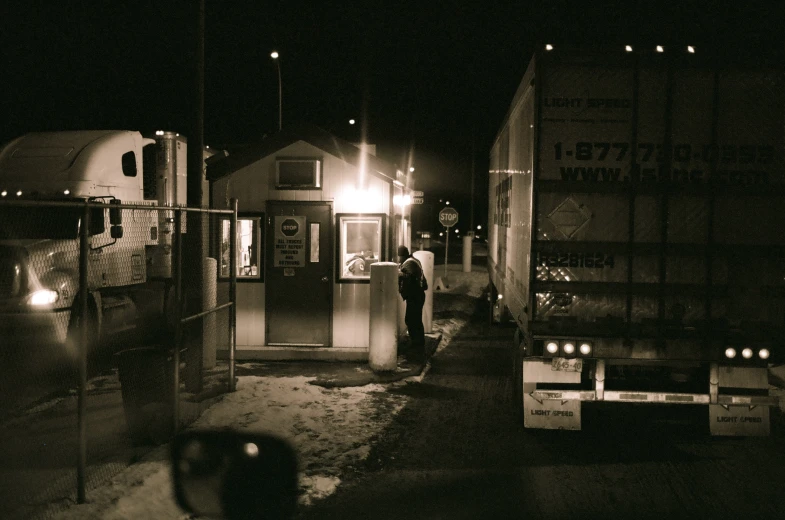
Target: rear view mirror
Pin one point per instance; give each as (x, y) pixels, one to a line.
(232, 475)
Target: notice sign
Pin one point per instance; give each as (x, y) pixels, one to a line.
(289, 242)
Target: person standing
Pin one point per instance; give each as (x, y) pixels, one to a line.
(412, 286)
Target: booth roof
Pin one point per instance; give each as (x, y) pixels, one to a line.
(310, 134)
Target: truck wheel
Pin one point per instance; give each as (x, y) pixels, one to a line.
(74, 341)
(517, 385)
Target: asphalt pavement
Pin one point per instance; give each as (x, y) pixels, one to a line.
(458, 450)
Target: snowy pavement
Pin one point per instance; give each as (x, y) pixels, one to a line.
(332, 429)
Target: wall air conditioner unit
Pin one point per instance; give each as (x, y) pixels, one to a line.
(293, 173)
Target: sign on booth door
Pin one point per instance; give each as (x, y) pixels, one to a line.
(289, 247)
(298, 278)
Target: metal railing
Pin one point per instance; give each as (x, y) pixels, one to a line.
(93, 269)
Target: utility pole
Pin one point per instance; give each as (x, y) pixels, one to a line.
(471, 202)
(193, 245)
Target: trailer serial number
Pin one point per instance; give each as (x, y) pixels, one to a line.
(710, 153)
(592, 260)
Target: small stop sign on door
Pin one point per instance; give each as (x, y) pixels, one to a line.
(289, 227)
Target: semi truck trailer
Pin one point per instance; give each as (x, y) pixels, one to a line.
(636, 234)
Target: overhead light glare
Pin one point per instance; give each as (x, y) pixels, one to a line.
(660, 49)
(690, 49)
(628, 48)
(549, 47)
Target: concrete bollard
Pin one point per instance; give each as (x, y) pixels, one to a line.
(210, 300)
(426, 260)
(383, 327)
(467, 254)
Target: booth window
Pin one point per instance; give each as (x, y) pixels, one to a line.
(248, 255)
(293, 173)
(360, 242)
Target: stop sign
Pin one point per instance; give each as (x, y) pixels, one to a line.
(290, 227)
(448, 217)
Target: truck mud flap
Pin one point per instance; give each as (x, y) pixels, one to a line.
(747, 421)
(549, 414)
(750, 419)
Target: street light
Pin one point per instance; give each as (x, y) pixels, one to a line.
(274, 55)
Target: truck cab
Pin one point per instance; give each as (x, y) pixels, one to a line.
(43, 179)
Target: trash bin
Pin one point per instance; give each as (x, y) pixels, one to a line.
(146, 385)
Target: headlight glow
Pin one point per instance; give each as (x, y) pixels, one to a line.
(43, 297)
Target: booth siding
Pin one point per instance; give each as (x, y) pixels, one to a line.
(314, 213)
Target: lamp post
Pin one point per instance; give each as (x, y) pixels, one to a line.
(274, 55)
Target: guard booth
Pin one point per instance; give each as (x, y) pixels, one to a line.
(314, 213)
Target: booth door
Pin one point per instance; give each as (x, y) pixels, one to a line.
(299, 274)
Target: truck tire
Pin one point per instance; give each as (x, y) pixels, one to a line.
(517, 392)
(74, 338)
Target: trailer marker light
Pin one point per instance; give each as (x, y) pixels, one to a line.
(569, 348)
(19, 193)
(549, 47)
(4, 193)
(746, 353)
(764, 353)
(552, 347)
(730, 352)
(67, 192)
(585, 348)
(690, 49)
(628, 48)
(660, 49)
(499, 297)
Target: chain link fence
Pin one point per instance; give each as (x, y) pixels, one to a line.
(111, 316)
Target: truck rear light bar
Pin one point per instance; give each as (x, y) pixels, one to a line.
(567, 347)
(747, 353)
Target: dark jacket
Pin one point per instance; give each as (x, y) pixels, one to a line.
(411, 279)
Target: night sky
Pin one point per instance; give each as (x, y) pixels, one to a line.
(424, 78)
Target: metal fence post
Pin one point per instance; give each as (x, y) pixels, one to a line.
(178, 312)
(84, 251)
(233, 293)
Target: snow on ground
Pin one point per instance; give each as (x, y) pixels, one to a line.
(332, 429)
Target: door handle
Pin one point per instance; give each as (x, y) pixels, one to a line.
(325, 279)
